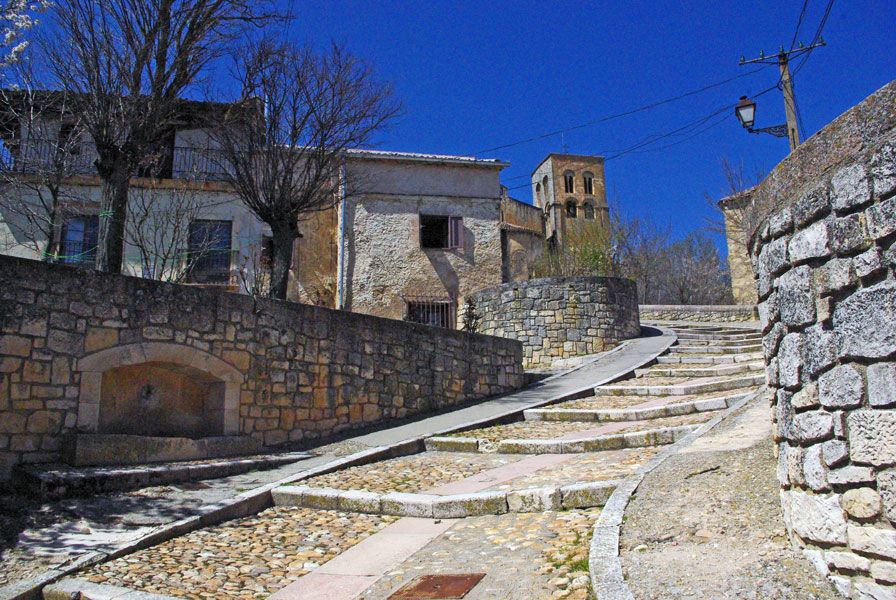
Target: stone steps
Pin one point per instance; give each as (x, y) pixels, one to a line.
(718, 342)
(725, 369)
(60, 481)
(715, 349)
(612, 415)
(617, 441)
(682, 389)
(709, 336)
(450, 506)
(710, 359)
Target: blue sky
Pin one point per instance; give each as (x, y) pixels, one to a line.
(474, 75)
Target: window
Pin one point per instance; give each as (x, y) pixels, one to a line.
(441, 232)
(433, 311)
(80, 237)
(589, 210)
(589, 182)
(569, 182)
(571, 209)
(209, 250)
(69, 139)
(538, 196)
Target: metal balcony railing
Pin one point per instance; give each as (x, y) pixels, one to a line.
(36, 156)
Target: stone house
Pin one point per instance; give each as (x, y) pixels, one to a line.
(411, 235)
(743, 284)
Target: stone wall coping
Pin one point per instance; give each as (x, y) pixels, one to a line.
(743, 308)
(548, 282)
(839, 142)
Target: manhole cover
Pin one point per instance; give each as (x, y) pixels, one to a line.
(438, 587)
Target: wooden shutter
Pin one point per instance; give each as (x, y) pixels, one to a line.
(455, 232)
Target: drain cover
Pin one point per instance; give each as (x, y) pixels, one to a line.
(438, 587)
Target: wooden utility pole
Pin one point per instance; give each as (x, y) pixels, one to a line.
(782, 59)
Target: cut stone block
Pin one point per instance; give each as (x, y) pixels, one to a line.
(452, 444)
(586, 495)
(469, 505)
(288, 495)
(534, 500)
(321, 498)
(530, 447)
(360, 502)
(872, 437)
(814, 516)
(872, 540)
(408, 505)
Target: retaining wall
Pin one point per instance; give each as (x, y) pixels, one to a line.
(560, 317)
(698, 313)
(826, 278)
(286, 371)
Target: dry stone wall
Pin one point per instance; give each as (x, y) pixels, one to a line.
(560, 317)
(826, 277)
(290, 371)
(698, 313)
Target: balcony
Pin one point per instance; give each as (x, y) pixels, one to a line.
(47, 158)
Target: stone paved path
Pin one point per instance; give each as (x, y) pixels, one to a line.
(539, 554)
(37, 536)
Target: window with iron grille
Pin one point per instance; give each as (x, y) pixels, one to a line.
(569, 182)
(441, 232)
(209, 248)
(434, 311)
(80, 238)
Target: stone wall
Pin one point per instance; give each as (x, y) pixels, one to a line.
(709, 314)
(287, 372)
(560, 317)
(826, 278)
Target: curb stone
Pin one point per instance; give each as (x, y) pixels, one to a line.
(81, 588)
(452, 506)
(604, 566)
(616, 415)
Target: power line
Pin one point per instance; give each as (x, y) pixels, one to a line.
(816, 37)
(643, 108)
(799, 22)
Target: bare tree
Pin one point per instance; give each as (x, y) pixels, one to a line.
(16, 18)
(285, 160)
(128, 62)
(743, 212)
(587, 249)
(43, 142)
(158, 226)
(696, 273)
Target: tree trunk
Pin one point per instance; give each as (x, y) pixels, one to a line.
(283, 237)
(113, 212)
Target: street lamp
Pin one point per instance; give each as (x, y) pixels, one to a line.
(745, 109)
(746, 112)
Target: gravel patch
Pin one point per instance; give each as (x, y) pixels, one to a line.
(246, 558)
(708, 524)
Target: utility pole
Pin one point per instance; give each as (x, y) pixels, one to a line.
(782, 59)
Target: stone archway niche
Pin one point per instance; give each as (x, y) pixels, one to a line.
(161, 399)
(153, 402)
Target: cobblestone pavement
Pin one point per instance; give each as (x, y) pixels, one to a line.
(541, 555)
(601, 402)
(413, 473)
(707, 524)
(246, 558)
(595, 466)
(557, 429)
